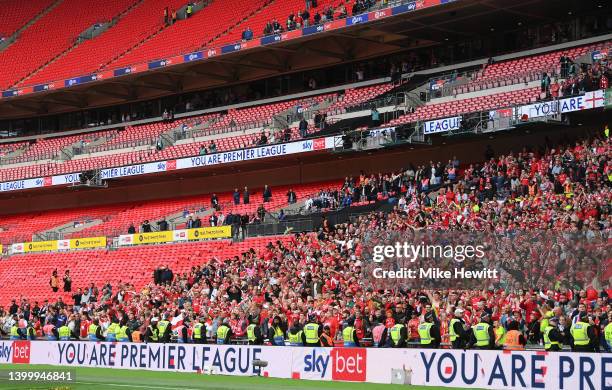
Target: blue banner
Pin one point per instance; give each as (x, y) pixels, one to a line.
(80, 80)
(357, 19)
(157, 64)
(230, 48)
(313, 29)
(122, 71)
(400, 9)
(198, 55)
(271, 39)
(11, 93)
(41, 88)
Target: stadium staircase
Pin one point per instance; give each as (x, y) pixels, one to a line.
(67, 229)
(15, 35)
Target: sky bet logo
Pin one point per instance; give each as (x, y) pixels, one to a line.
(347, 364)
(15, 352)
(6, 350)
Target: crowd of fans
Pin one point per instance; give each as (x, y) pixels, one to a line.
(318, 282)
(313, 15)
(577, 78)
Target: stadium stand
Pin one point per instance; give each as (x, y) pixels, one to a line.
(16, 14)
(143, 20)
(60, 27)
(205, 25)
(524, 69)
(461, 106)
(192, 262)
(540, 206)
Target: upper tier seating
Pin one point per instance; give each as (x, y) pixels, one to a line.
(357, 96)
(91, 55)
(52, 34)
(15, 14)
(200, 28)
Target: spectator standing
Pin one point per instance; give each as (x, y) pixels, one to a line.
(146, 226)
(247, 34)
(213, 219)
(54, 281)
(375, 117)
(163, 225)
(67, 281)
(291, 196)
(236, 196)
(131, 229)
(545, 82)
(303, 128)
(77, 297)
(246, 196)
(267, 194)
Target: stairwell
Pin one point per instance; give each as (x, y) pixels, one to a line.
(77, 41)
(10, 40)
(59, 232)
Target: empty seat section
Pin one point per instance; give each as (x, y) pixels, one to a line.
(60, 27)
(16, 14)
(200, 28)
(133, 27)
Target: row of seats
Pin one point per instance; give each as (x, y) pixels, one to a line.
(238, 117)
(355, 96)
(16, 14)
(525, 69)
(29, 274)
(20, 228)
(277, 10)
(117, 218)
(457, 107)
(53, 34)
(190, 34)
(47, 148)
(142, 35)
(134, 27)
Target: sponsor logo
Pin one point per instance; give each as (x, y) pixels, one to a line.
(357, 19)
(307, 145)
(349, 364)
(6, 351)
(316, 362)
(21, 352)
(319, 144)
